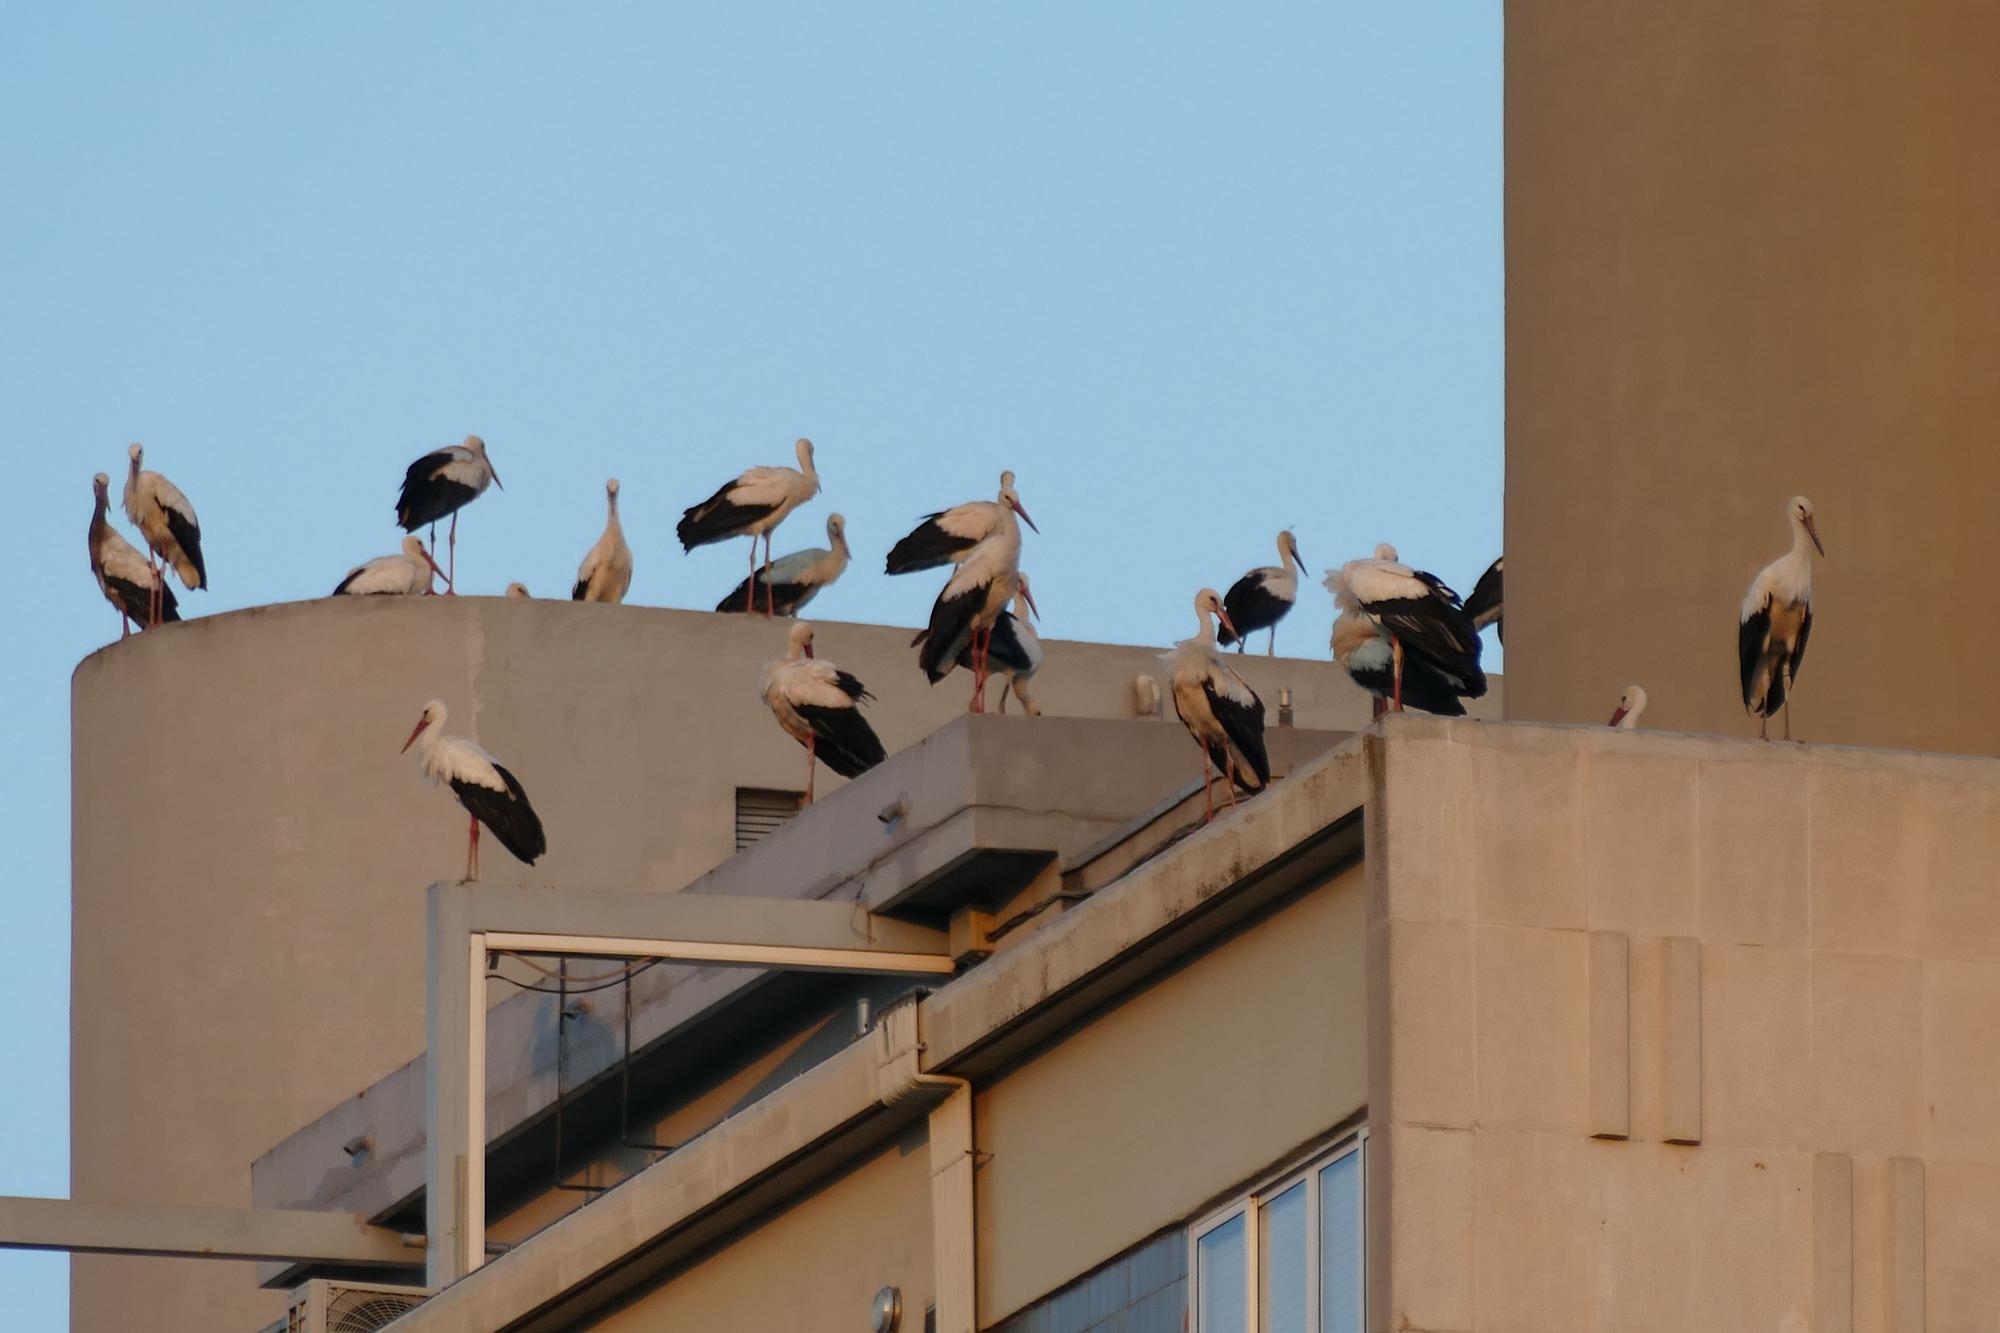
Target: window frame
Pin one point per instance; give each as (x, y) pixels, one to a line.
(1250, 1207)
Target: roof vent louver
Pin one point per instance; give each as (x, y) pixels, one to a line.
(759, 812)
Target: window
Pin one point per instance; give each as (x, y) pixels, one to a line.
(1286, 1258)
(759, 812)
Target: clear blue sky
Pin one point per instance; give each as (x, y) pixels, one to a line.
(1194, 273)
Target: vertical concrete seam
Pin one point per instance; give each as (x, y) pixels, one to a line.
(1906, 1245)
(1610, 1035)
(1833, 1243)
(1681, 1054)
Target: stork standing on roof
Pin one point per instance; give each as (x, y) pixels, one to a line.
(490, 794)
(950, 535)
(1631, 704)
(1420, 616)
(752, 505)
(1365, 653)
(606, 572)
(1015, 650)
(819, 706)
(440, 484)
(973, 598)
(1263, 597)
(1484, 606)
(1776, 620)
(405, 574)
(1218, 708)
(128, 580)
(792, 580)
(166, 520)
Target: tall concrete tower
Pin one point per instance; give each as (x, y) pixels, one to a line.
(1751, 253)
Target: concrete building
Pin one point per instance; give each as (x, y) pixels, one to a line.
(280, 897)
(1748, 256)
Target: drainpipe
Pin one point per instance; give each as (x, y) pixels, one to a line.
(899, 1073)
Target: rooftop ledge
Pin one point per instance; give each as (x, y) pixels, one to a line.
(986, 812)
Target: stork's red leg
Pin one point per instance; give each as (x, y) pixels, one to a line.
(750, 588)
(1396, 651)
(430, 585)
(451, 579)
(812, 760)
(472, 848)
(1379, 704)
(124, 624)
(1207, 788)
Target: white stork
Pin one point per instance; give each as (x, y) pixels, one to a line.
(1420, 616)
(1366, 654)
(973, 598)
(519, 592)
(166, 520)
(1015, 651)
(127, 579)
(752, 505)
(1484, 606)
(790, 581)
(819, 706)
(1218, 707)
(949, 536)
(441, 483)
(606, 571)
(490, 794)
(405, 574)
(1630, 705)
(1260, 599)
(1776, 621)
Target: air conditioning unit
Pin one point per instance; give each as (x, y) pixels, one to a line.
(320, 1306)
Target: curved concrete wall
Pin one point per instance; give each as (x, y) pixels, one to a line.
(250, 850)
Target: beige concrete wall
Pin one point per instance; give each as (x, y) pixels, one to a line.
(1176, 1096)
(1749, 254)
(250, 851)
(817, 1265)
(1678, 1033)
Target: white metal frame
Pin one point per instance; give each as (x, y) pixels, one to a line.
(467, 921)
(1250, 1207)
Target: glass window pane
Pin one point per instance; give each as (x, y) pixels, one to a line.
(1219, 1276)
(1282, 1263)
(1342, 1286)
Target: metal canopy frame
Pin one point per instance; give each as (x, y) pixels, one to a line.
(465, 922)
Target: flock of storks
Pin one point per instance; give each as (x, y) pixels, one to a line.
(1401, 633)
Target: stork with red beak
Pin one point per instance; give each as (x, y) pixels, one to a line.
(490, 794)
(1631, 704)
(1218, 708)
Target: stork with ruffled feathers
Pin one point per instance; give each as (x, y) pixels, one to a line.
(1218, 708)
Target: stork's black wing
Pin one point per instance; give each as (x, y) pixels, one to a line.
(718, 518)
(1243, 723)
(428, 497)
(1251, 606)
(950, 631)
(134, 600)
(1007, 653)
(1437, 630)
(513, 821)
(1751, 636)
(842, 738)
(927, 547)
(1484, 604)
(187, 535)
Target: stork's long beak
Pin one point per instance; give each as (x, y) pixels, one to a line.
(1812, 531)
(1030, 599)
(494, 473)
(1298, 559)
(1016, 506)
(1617, 715)
(440, 573)
(809, 650)
(422, 722)
(1223, 616)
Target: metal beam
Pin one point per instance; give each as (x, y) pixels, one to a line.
(466, 921)
(181, 1232)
